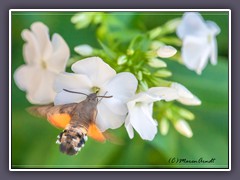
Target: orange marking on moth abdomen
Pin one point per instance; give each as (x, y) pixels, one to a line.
(59, 120)
(95, 133)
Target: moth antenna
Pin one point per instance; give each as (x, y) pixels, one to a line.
(104, 96)
(75, 92)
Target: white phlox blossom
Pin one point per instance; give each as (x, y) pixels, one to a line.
(199, 41)
(44, 59)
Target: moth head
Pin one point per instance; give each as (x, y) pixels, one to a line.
(71, 141)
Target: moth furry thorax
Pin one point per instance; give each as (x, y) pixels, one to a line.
(72, 139)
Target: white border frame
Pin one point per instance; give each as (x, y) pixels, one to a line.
(120, 10)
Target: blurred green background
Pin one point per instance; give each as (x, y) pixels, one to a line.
(33, 139)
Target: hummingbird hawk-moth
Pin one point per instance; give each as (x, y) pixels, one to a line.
(77, 120)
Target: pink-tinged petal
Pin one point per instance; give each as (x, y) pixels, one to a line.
(96, 69)
(192, 25)
(41, 90)
(106, 118)
(31, 51)
(129, 127)
(41, 33)
(58, 60)
(193, 50)
(122, 86)
(142, 121)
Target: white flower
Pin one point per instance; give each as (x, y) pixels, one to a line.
(140, 108)
(166, 51)
(44, 60)
(140, 116)
(84, 50)
(93, 73)
(199, 41)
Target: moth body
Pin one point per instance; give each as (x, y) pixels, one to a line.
(73, 138)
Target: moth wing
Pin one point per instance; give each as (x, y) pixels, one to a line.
(112, 138)
(59, 120)
(59, 116)
(95, 133)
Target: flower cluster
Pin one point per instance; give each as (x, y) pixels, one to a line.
(136, 85)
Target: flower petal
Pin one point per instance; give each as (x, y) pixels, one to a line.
(31, 51)
(24, 76)
(64, 97)
(41, 90)
(165, 93)
(141, 97)
(122, 86)
(41, 33)
(213, 27)
(58, 60)
(203, 60)
(96, 69)
(116, 105)
(37, 83)
(214, 51)
(129, 127)
(71, 82)
(185, 96)
(193, 50)
(193, 101)
(142, 122)
(106, 118)
(192, 24)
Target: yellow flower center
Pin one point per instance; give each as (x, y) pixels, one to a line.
(44, 64)
(95, 89)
